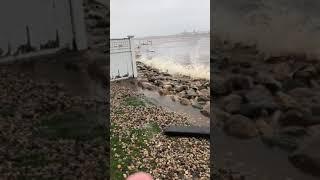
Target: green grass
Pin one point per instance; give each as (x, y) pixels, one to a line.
(71, 125)
(134, 101)
(120, 155)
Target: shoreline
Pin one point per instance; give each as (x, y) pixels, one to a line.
(183, 89)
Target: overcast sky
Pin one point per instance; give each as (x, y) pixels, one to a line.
(157, 17)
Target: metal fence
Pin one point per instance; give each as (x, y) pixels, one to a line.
(122, 59)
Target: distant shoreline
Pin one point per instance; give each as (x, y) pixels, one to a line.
(175, 35)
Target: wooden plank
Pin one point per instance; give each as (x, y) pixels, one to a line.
(188, 131)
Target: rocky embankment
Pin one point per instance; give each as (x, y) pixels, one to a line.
(275, 98)
(183, 89)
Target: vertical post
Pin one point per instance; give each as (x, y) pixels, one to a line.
(74, 43)
(78, 24)
(133, 57)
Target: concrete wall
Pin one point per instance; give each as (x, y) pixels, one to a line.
(48, 22)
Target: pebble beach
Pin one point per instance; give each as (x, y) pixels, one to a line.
(138, 142)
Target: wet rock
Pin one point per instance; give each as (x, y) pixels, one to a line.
(166, 74)
(307, 157)
(174, 98)
(269, 82)
(287, 101)
(296, 131)
(163, 92)
(249, 72)
(306, 73)
(220, 86)
(185, 101)
(196, 104)
(180, 88)
(282, 141)
(232, 103)
(146, 85)
(191, 93)
(232, 98)
(290, 84)
(264, 128)
(203, 86)
(204, 95)
(206, 109)
(314, 83)
(282, 71)
(302, 92)
(250, 110)
(219, 115)
(239, 82)
(314, 130)
(233, 108)
(240, 126)
(295, 117)
(168, 87)
(182, 94)
(260, 98)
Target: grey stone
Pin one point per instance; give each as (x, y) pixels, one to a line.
(240, 126)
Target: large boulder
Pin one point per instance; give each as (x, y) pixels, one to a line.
(220, 86)
(191, 93)
(259, 98)
(302, 93)
(185, 101)
(204, 95)
(219, 115)
(232, 103)
(206, 109)
(290, 84)
(239, 82)
(240, 126)
(180, 88)
(269, 82)
(264, 128)
(306, 73)
(168, 87)
(287, 102)
(147, 85)
(282, 71)
(295, 117)
(163, 92)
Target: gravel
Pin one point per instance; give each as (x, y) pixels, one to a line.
(163, 157)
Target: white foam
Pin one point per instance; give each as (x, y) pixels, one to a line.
(169, 65)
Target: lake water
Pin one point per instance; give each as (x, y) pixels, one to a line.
(185, 55)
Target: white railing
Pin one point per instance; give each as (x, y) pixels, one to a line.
(122, 59)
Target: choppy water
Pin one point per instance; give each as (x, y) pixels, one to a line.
(178, 55)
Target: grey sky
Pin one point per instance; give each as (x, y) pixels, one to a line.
(157, 17)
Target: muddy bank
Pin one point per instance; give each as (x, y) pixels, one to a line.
(274, 100)
(181, 89)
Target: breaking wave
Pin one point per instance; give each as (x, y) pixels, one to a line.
(164, 64)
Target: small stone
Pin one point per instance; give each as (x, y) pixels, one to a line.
(185, 101)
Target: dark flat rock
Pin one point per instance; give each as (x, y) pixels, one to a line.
(187, 131)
